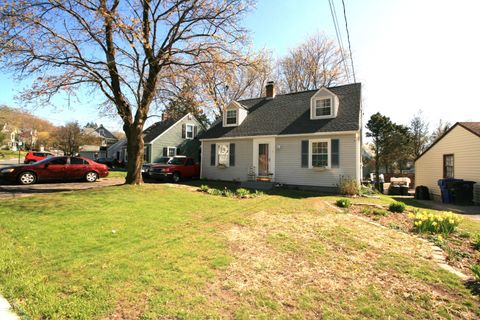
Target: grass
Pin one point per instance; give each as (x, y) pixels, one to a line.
(9, 154)
(164, 251)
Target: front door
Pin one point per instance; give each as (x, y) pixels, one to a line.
(264, 157)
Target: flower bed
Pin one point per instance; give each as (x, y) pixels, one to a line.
(440, 228)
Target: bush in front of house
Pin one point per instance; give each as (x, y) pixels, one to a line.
(343, 203)
(242, 193)
(348, 186)
(438, 222)
(397, 207)
(204, 188)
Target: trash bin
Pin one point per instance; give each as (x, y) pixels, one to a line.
(422, 193)
(445, 190)
(461, 192)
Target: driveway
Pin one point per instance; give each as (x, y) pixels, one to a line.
(12, 191)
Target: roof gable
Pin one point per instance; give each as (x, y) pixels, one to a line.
(473, 127)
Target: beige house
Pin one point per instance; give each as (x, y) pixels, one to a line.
(308, 139)
(454, 155)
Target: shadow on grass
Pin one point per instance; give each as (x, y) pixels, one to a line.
(276, 191)
(473, 286)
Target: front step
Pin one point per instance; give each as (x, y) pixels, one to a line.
(257, 185)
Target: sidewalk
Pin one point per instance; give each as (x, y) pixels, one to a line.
(6, 312)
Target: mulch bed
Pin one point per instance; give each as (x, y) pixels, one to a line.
(458, 246)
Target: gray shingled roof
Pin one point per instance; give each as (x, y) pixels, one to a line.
(290, 114)
(156, 129)
(102, 131)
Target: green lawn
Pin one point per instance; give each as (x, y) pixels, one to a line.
(162, 251)
(8, 154)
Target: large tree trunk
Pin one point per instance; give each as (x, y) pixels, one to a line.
(135, 151)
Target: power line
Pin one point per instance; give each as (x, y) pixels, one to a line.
(348, 39)
(339, 37)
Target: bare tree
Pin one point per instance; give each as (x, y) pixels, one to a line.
(440, 130)
(70, 137)
(315, 63)
(419, 133)
(219, 85)
(123, 49)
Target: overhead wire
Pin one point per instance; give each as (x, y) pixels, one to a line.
(339, 37)
(348, 40)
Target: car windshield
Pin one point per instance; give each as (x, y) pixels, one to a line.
(177, 161)
(163, 160)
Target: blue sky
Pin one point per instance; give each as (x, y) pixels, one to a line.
(408, 54)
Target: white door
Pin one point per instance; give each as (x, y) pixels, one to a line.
(264, 157)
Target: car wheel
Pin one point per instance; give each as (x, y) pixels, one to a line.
(176, 177)
(91, 176)
(27, 178)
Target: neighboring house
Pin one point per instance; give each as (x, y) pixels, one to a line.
(166, 138)
(308, 139)
(456, 154)
(106, 139)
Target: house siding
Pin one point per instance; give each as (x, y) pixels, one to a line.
(173, 138)
(243, 161)
(464, 145)
(288, 168)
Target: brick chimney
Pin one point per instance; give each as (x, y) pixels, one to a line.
(270, 90)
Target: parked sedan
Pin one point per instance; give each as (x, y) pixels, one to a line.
(56, 168)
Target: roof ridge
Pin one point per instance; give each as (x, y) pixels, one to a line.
(304, 91)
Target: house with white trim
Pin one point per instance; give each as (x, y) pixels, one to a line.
(305, 139)
(166, 138)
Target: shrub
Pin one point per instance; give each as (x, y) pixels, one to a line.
(227, 193)
(476, 271)
(379, 212)
(242, 193)
(343, 203)
(439, 222)
(397, 207)
(348, 186)
(204, 188)
(214, 192)
(258, 193)
(476, 241)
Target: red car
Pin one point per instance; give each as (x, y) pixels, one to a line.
(34, 156)
(176, 169)
(56, 168)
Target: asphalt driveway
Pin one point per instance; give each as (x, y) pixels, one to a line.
(13, 191)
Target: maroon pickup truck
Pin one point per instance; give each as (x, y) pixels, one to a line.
(177, 168)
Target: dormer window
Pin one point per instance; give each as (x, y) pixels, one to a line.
(231, 117)
(323, 107)
(324, 104)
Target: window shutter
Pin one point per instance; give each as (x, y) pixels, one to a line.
(195, 131)
(335, 153)
(183, 130)
(212, 154)
(232, 154)
(304, 153)
(165, 152)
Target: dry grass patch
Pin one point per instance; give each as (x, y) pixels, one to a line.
(320, 264)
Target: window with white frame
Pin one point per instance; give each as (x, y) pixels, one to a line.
(223, 154)
(231, 117)
(323, 107)
(189, 131)
(319, 153)
(171, 152)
